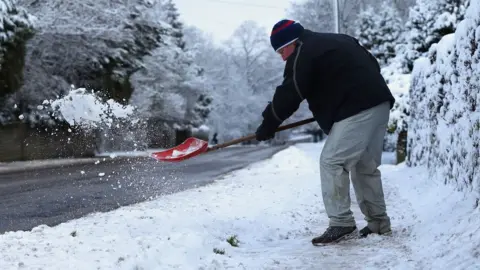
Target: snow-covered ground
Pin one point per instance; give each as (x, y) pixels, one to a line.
(274, 208)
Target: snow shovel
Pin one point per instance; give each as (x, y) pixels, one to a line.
(193, 146)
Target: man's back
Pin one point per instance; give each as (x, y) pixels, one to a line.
(345, 78)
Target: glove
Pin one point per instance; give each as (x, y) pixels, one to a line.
(264, 133)
(267, 129)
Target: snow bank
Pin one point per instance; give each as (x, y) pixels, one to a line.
(442, 229)
(269, 211)
(444, 131)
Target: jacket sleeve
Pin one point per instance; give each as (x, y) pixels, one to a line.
(290, 94)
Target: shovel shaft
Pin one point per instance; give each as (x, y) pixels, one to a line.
(253, 136)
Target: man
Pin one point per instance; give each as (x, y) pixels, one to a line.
(351, 102)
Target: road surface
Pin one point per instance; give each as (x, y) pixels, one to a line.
(55, 195)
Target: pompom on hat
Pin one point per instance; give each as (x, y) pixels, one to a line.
(284, 33)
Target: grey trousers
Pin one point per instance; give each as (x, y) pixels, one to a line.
(354, 145)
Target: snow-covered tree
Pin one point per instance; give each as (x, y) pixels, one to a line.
(93, 44)
(366, 33)
(403, 7)
(318, 15)
(168, 83)
(17, 28)
(380, 31)
(253, 57)
(240, 77)
(172, 17)
(201, 46)
(428, 22)
(202, 110)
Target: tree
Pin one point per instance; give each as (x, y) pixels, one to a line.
(172, 18)
(380, 31)
(428, 22)
(93, 44)
(17, 28)
(239, 77)
(253, 57)
(166, 83)
(170, 85)
(366, 31)
(403, 7)
(318, 15)
(201, 110)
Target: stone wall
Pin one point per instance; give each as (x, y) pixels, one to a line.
(18, 141)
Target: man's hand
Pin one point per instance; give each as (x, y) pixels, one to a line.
(264, 133)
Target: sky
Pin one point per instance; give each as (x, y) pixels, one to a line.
(221, 17)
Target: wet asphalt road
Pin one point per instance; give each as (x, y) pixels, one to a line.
(55, 195)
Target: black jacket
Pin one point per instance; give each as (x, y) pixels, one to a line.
(337, 77)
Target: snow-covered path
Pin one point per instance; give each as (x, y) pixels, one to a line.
(274, 208)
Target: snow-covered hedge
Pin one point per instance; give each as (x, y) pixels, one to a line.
(444, 126)
(427, 23)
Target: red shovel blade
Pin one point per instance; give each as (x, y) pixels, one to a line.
(189, 148)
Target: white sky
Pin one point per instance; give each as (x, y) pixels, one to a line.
(221, 17)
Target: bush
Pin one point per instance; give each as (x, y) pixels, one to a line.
(444, 128)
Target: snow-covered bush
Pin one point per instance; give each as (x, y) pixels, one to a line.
(428, 21)
(398, 121)
(444, 128)
(16, 28)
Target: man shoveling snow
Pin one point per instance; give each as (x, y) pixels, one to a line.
(351, 102)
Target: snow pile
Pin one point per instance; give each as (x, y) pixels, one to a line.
(268, 212)
(83, 108)
(444, 130)
(442, 229)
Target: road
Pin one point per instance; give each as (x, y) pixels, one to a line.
(55, 195)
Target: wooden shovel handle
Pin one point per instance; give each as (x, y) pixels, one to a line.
(251, 137)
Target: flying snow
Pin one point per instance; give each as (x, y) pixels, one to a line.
(84, 108)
